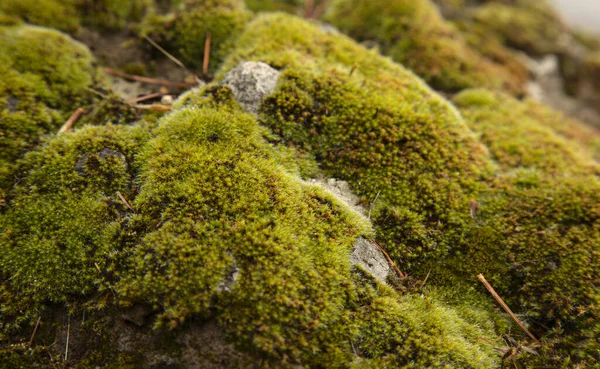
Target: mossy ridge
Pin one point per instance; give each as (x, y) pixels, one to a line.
(414, 34)
(331, 104)
(361, 115)
(531, 26)
(44, 79)
(418, 330)
(536, 242)
(65, 218)
(188, 26)
(518, 138)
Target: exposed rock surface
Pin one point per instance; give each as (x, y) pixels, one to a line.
(250, 83)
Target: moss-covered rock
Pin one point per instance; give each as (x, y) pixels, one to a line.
(361, 119)
(186, 29)
(44, 79)
(414, 34)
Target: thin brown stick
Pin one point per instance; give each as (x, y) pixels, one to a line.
(37, 324)
(373, 203)
(68, 336)
(147, 97)
(426, 277)
(402, 275)
(124, 200)
(155, 107)
(147, 80)
(308, 8)
(71, 121)
(166, 53)
(320, 9)
(505, 307)
(206, 53)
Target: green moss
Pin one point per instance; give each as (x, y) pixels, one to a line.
(533, 27)
(65, 217)
(290, 6)
(186, 29)
(370, 122)
(536, 242)
(69, 15)
(111, 15)
(516, 138)
(44, 79)
(61, 15)
(414, 34)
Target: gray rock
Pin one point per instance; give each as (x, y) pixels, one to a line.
(368, 256)
(232, 276)
(251, 82)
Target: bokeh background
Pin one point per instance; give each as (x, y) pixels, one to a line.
(581, 13)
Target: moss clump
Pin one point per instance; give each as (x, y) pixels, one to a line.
(111, 15)
(189, 231)
(290, 6)
(373, 123)
(414, 34)
(64, 219)
(516, 138)
(530, 26)
(187, 28)
(368, 121)
(69, 15)
(61, 15)
(44, 79)
(536, 242)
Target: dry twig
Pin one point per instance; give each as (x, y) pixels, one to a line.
(319, 10)
(124, 200)
(206, 53)
(167, 54)
(71, 121)
(373, 203)
(37, 324)
(155, 107)
(505, 307)
(425, 280)
(147, 79)
(147, 97)
(68, 336)
(402, 275)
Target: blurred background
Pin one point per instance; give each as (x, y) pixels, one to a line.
(581, 13)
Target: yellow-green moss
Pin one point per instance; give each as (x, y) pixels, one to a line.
(291, 6)
(414, 34)
(516, 138)
(111, 15)
(44, 79)
(536, 242)
(186, 29)
(370, 122)
(530, 26)
(61, 15)
(69, 15)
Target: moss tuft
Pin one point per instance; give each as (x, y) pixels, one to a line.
(530, 26)
(518, 138)
(44, 79)
(187, 28)
(61, 15)
(414, 34)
